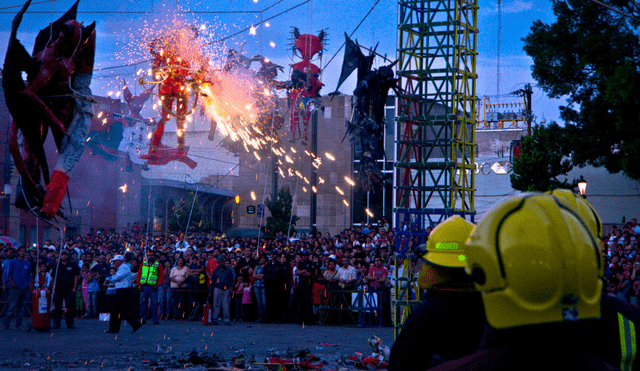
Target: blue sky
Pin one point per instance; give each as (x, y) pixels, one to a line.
(116, 33)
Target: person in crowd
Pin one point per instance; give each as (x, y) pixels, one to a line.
(304, 272)
(164, 292)
(65, 284)
(247, 302)
(271, 287)
(220, 289)
(245, 266)
(237, 299)
(347, 274)
(84, 286)
(93, 290)
(123, 301)
(259, 287)
(19, 279)
(6, 285)
(42, 277)
(194, 270)
(150, 276)
(178, 287)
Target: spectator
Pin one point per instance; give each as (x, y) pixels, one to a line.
(43, 278)
(65, 284)
(6, 285)
(347, 274)
(93, 290)
(259, 287)
(221, 286)
(178, 286)
(122, 307)
(164, 293)
(246, 265)
(623, 288)
(303, 296)
(237, 296)
(19, 279)
(84, 277)
(247, 290)
(194, 270)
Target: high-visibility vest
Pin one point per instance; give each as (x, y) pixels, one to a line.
(149, 274)
(627, 342)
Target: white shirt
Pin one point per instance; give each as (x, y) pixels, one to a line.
(347, 274)
(122, 278)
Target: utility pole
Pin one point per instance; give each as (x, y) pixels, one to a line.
(314, 170)
(529, 114)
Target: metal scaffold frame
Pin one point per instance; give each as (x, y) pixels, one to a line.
(434, 170)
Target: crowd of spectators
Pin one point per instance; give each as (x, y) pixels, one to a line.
(277, 279)
(622, 257)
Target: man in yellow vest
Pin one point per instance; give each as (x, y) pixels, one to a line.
(150, 276)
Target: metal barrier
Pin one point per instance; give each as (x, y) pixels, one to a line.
(358, 307)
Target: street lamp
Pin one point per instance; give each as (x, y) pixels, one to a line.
(582, 186)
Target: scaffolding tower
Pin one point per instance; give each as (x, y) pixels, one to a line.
(435, 132)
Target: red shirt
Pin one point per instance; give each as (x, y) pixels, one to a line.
(212, 264)
(377, 272)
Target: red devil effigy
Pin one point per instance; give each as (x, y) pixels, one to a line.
(174, 69)
(305, 93)
(56, 95)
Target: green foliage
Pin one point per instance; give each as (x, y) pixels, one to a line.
(280, 210)
(541, 161)
(591, 57)
(178, 222)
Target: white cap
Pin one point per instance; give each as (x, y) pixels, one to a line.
(118, 257)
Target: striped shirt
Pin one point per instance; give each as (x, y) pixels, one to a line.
(122, 278)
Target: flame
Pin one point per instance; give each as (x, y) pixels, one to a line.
(351, 182)
(345, 203)
(369, 213)
(253, 195)
(340, 191)
(123, 188)
(329, 156)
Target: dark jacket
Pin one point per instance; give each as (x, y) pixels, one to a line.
(446, 326)
(221, 278)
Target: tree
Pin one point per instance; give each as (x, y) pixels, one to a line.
(280, 209)
(178, 221)
(542, 161)
(591, 56)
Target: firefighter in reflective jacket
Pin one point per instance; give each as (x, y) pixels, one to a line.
(150, 276)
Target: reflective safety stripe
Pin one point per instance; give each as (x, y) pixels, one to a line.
(627, 342)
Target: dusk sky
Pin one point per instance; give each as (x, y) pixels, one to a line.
(118, 22)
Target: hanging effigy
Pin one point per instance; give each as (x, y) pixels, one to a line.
(55, 96)
(366, 127)
(304, 94)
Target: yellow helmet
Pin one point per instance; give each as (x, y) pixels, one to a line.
(535, 262)
(581, 207)
(446, 249)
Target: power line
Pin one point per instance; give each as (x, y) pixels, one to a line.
(21, 5)
(354, 31)
(259, 23)
(219, 40)
(616, 10)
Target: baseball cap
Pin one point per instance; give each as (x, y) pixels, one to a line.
(118, 257)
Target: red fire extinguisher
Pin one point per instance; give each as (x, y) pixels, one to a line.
(206, 314)
(41, 299)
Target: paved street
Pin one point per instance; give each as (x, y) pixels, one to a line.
(165, 345)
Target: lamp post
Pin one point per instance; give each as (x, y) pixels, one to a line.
(582, 187)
